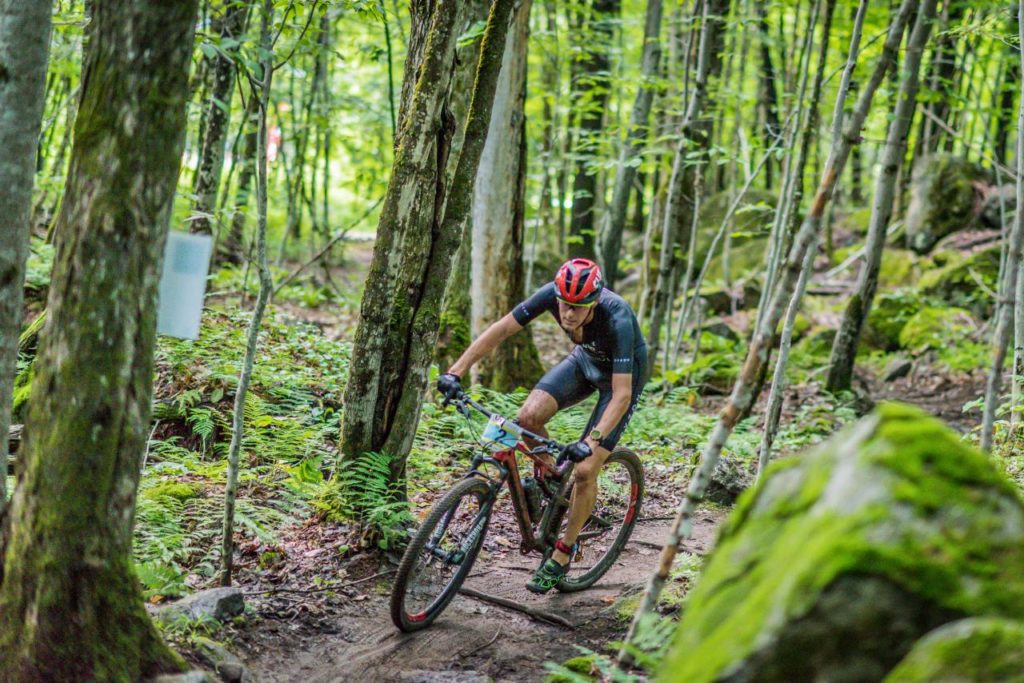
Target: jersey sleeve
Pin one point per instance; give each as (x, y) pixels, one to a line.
(622, 348)
(542, 300)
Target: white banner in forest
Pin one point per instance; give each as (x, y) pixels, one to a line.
(183, 284)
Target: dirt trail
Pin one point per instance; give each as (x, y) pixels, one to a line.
(472, 640)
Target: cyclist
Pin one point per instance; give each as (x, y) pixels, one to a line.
(610, 357)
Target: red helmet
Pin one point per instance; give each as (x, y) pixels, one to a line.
(579, 282)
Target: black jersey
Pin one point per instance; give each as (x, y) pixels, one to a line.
(612, 339)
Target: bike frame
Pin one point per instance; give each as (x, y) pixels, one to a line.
(506, 463)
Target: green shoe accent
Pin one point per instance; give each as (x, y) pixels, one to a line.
(546, 577)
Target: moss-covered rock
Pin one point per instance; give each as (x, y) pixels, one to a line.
(944, 194)
(966, 651)
(887, 318)
(839, 560)
(178, 490)
(965, 281)
(935, 328)
(751, 225)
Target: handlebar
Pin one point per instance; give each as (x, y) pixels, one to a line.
(463, 403)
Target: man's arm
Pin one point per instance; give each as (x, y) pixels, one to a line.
(485, 343)
(622, 393)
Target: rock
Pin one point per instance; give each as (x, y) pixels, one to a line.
(219, 603)
(720, 328)
(751, 225)
(936, 328)
(976, 650)
(997, 200)
(888, 317)
(730, 479)
(965, 281)
(444, 677)
(834, 565)
(229, 667)
(945, 196)
(188, 677)
(719, 300)
(897, 369)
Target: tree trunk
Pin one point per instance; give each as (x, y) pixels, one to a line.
(498, 219)
(592, 89)
(769, 98)
(1009, 277)
(635, 140)
(402, 305)
(742, 393)
(456, 334)
(266, 289)
(72, 607)
(229, 25)
(234, 249)
(1008, 86)
(694, 138)
(24, 49)
(844, 348)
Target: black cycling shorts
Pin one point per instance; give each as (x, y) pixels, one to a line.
(577, 377)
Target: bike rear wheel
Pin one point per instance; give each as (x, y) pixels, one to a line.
(620, 491)
(440, 555)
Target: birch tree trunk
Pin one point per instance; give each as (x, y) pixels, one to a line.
(229, 25)
(742, 395)
(844, 348)
(1009, 278)
(72, 606)
(24, 49)
(416, 242)
(635, 140)
(498, 219)
(262, 298)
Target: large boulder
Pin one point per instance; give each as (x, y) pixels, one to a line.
(946, 193)
(888, 316)
(837, 561)
(966, 651)
(935, 328)
(966, 281)
(749, 230)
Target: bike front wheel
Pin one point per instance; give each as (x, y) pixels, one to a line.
(440, 555)
(620, 491)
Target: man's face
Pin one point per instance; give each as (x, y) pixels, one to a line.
(572, 316)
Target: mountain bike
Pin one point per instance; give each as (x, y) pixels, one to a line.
(441, 554)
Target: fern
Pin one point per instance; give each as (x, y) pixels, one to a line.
(362, 491)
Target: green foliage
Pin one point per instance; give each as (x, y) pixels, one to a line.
(362, 491)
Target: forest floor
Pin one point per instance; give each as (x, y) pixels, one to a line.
(317, 599)
(348, 634)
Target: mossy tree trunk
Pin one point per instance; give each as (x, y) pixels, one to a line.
(593, 87)
(455, 334)
(71, 604)
(757, 354)
(844, 348)
(233, 247)
(24, 49)
(418, 234)
(228, 24)
(498, 219)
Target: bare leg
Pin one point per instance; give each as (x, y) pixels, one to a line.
(540, 406)
(584, 494)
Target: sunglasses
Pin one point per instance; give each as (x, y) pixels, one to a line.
(569, 303)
